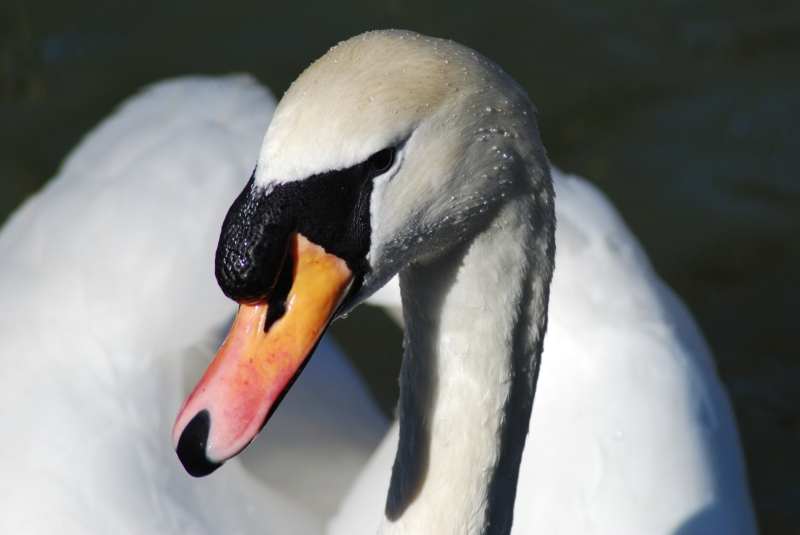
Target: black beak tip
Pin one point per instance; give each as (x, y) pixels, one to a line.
(191, 448)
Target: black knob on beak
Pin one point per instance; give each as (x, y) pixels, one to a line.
(252, 245)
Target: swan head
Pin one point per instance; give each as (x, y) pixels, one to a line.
(390, 149)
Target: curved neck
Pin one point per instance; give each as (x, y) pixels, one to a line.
(475, 320)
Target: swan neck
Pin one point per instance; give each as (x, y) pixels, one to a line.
(475, 319)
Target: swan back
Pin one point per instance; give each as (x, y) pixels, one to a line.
(126, 227)
(632, 431)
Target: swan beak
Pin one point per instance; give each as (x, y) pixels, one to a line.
(259, 361)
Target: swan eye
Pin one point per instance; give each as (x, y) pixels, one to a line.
(381, 161)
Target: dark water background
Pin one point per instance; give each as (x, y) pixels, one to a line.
(686, 113)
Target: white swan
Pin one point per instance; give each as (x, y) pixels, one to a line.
(90, 319)
(105, 278)
(396, 152)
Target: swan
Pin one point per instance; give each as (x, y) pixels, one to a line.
(108, 297)
(104, 470)
(397, 153)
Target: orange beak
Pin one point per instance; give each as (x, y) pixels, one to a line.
(255, 367)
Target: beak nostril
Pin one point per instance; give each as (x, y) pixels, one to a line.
(191, 448)
(276, 302)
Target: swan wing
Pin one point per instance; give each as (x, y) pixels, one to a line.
(105, 279)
